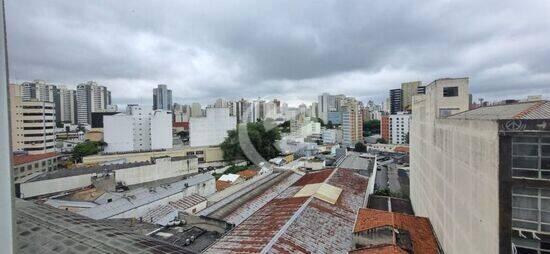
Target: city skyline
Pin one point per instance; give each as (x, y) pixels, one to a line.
(201, 60)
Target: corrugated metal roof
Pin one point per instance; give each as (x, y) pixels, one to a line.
(162, 215)
(43, 229)
(301, 224)
(525, 110)
(142, 196)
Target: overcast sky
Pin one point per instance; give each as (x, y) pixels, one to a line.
(292, 50)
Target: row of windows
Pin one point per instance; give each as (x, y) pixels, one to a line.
(38, 114)
(38, 128)
(37, 135)
(38, 121)
(531, 157)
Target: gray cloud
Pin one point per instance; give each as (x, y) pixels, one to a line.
(293, 50)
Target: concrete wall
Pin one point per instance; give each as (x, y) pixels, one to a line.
(118, 132)
(163, 168)
(161, 130)
(32, 189)
(454, 179)
(212, 129)
(209, 154)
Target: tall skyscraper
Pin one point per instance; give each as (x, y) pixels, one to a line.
(396, 101)
(196, 109)
(91, 97)
(65, 105)
(162, 98)
(32, 123)
(37, 90)
(326, 103)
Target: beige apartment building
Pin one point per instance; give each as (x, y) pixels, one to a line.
(32, 123)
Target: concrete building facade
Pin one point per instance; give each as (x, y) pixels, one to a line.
(385, 128)
(212, 129)
(352, 122)
(399, 127)
(32, 123)
(139, 129)
(480, 175)
(65, 105)
(91, 97)
(162, 98)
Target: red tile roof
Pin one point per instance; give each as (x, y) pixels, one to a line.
(314, 177)
(222, 185)
(301, 225)
(184, 125)
(26, 158)
(401, 149)
(248, 173)
(419, 228)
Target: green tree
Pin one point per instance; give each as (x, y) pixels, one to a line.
(84, 149)
(285, 127)
(360, 147)
(320, 121)
(381, 141)
(263, 141)
(371, 127)
(330, 125)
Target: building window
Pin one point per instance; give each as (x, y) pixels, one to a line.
(450, 91)
(531, 157)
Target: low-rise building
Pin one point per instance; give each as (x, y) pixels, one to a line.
(25, 165)
(204, 155)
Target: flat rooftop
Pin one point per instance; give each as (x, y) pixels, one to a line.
(19, 159)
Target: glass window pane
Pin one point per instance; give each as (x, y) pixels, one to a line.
(545, 140)
(525, 191)
(545, 192)
(545, 228)
(525, 173)
(545, 174)
(524, 225)
(545, 217)
(545, 163)
(522, 214)
(525, 202)
(525, 149)
(525, 162)
(545, 204)
(545, 149)
(525, 140)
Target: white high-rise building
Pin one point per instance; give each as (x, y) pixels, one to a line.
(212, 129)
(139, 129)
(352, 122)
(270, 110)
(91, 97)
(65, 104)
(37, 90)
(399, 128)
(162, 98)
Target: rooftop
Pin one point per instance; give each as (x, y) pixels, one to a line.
(43, 229)
(305, 224)
(166, 213)
(248, 173)
(19, 159)
(524, 110)
(142, 196)
(419, 228)
(222, 185)
(88, 170)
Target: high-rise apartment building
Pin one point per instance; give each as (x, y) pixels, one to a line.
(212, 129)
(162, 98)
(196, 109)
(399, 127)
(385, 127)
(32, 123)
(91, 97)
(396, 101)
(37, 90)
(65, 105)
(326, 103)
(352, 122)
(138, 129)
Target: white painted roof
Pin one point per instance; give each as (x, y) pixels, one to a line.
(229, 178)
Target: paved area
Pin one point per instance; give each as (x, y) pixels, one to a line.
(393, 179)
(381, 178)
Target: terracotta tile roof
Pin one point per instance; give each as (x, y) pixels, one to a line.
(386, 249)
(301, 224)
(401, 149)
(419, 228)
(247, 174)
(22, 159)
(184, 125)
(222, 185)
(314, 177)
